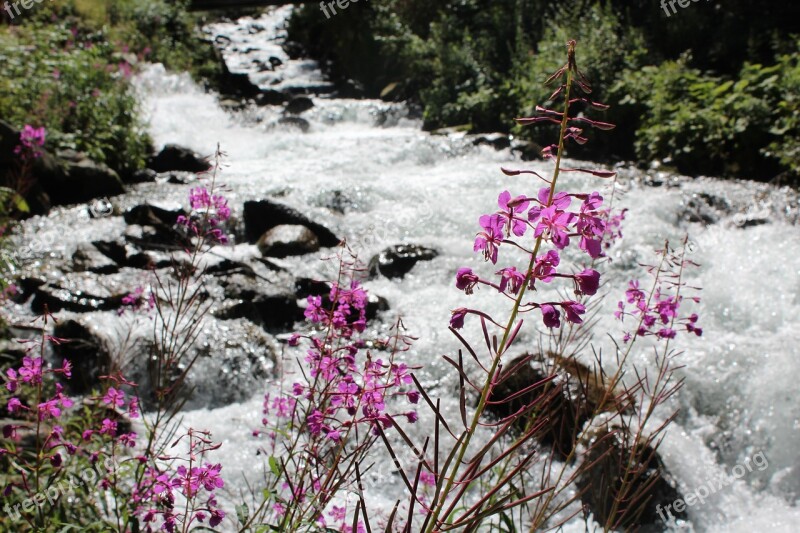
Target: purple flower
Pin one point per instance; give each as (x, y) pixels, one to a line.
(457, 320)
(573, 310)
(587, 282)
(490, 238)
(511, 276)
(545, 266)
(14, 405)
(551, 316)
(553, 224)
(114, 397)
(509, 211)
(466, 280)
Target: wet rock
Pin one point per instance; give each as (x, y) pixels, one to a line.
(294, 50)
(527, 150)
(151, 215)
(498, 141)
(298, 105)
(271, 97)
(650, 485)
(295, 122)
(261, 216)
(749, 221)
(273, 313)
(89, 259)
(336, 201)
(145, 175)
(397, 261)
(228, 267)
(567, 402)
(236, 84)
(288, 239)
(177, 158)
(86, 351)
(117, 251)
(55, 298)
(85, 181)
(26, 287)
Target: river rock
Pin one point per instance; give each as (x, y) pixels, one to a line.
(177, 158)
(152, 215)
(498, 141)
(54, 298)
(296, 122)
(601, 478)
(288, 239)
(86, 351)
(145, 175)
(298, 105)
(87, 258)
(275, 313)
(567, 402)
(261, 216)
(397, 261)
(527, 150)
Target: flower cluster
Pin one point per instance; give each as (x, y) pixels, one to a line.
(345, 400)
(208, 212)
(164, 494)
(657, 313)
(136, 301)
(30, 141)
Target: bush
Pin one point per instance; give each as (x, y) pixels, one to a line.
(706, 124)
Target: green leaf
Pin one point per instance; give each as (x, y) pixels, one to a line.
(274, 466)
(242, 513)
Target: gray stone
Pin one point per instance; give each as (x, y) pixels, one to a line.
(288, 239)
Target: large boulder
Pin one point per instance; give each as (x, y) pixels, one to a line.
(625, 485)
(566, 404)
(397, 261)
(177, 158)
(275, 313)
(261, 216)
(288, 239)
(85, 181)
(299, 105)
(88, 354)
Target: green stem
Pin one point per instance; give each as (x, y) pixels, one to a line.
(514, 312)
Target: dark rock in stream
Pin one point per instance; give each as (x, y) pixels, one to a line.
(397, 261)
(177, 158)
(298, 105)
(90, 259)
(287, 240)
(88, 354)
(650, 485)
(296, 122)
(273, 313)
(263, 215)
(54, 298)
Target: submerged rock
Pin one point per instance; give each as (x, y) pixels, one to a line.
(397, 261)
(177, 158)
(288, 239)
(54, 298)
(296, 122)
(261, 216)
(89, 259)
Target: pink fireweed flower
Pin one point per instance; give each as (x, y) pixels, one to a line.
(587, 282)
(544, 268)
(466, 280)
(554, 225)
(490, 238)
(114, 397)
(573, 310)
(14, 405)
(513, 277)
(509, 210)
(457, 318)
(561, 201)
(31, 139)
(49, 409)
(31, 370)
(551, 316)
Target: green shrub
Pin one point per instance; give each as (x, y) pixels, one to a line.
(79, 92)
(706, 124)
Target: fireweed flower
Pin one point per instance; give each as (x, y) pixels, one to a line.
(509, 209)
(490, 238)
(31, 139)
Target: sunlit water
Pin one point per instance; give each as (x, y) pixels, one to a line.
(402, 185)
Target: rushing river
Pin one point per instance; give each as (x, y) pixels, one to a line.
(398, 184)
